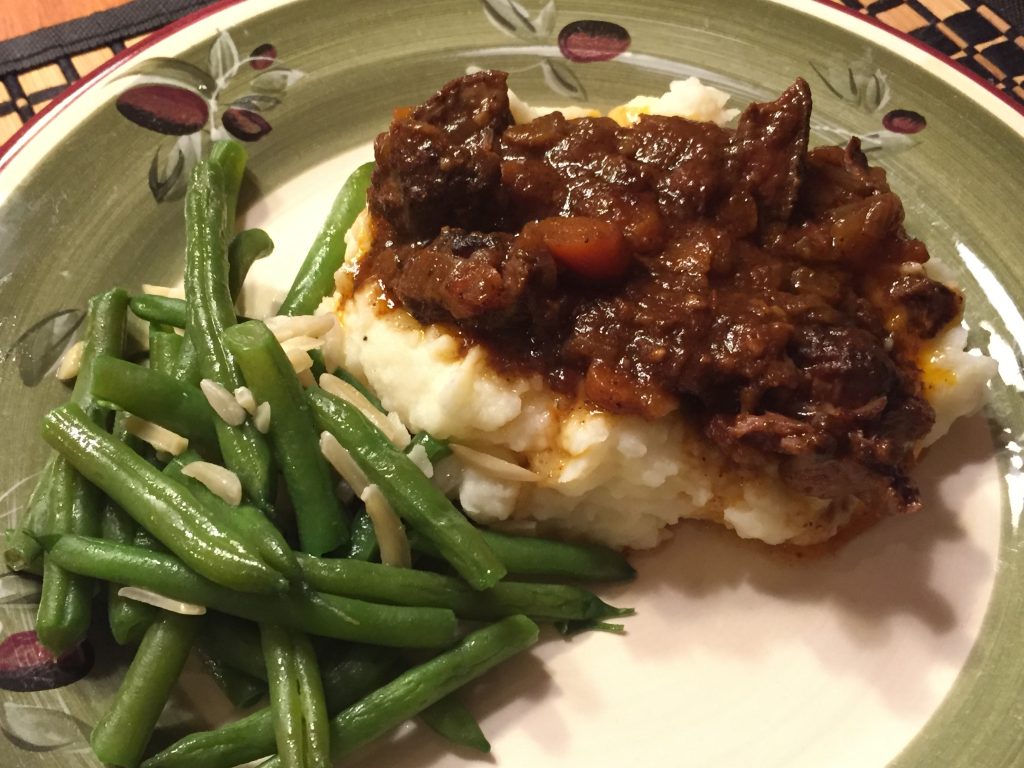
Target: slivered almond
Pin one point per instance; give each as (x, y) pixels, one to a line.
(285, 328)
(392, 428)
(391, 538)
(71, 362)
(343, 463)
(220, 480)
(305, 343)
(223, 402)
(492, 465)
(418, 456)
(158, 437)
(171, 292)
(245, 398)
(333, 349)
(149, 597)
(299, 359)
(261, 419)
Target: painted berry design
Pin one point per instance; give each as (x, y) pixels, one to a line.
(194, 106)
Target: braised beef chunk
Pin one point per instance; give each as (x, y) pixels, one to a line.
(437, 166)
(466, 276)
(844, 366)
(929, 306)
(769, 291)
(770, 146)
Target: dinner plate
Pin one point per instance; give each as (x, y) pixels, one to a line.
(902, 648)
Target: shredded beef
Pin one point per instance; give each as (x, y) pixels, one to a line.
(770, 291)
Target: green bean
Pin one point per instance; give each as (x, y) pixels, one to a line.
(351, 671)
(165, 508)
(164, 310)
(186, 367)
(121, 735)
(411, 494)
(315, 278)
(319, 368)
(237, 641)
(451, 719)
(535, 558)
(296, 698)
(364, 390)
(315, 613)
(247, 522)
(346, 680)
(570, 628)
(230, 158)
(168, 311)
(404, 586)
(293, 436)
(65, 603)
(104, 337)
(164, 349)
(21, 550)
(128, 619)
(210, 313)
(75, 506)
(284, 695)
(421, 686)
(364, 540)
(242, 690)
(314, 706)
(436, 449)
(157, 397)
(247, 247)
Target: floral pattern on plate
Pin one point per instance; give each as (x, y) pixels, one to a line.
(866, 87)
(195, 106)
(582, 41)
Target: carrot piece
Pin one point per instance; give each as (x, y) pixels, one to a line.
(590, 247)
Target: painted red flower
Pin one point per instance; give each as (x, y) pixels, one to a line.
(588, 40)
(165, 109)
(26, 665)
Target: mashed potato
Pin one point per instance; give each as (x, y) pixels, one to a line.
(616, 479)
